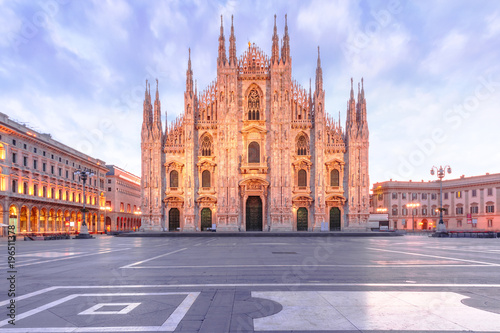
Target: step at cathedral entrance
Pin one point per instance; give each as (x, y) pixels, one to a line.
(254, 214)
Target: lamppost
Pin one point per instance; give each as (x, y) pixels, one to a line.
(412, 206)
(441, 228)
(84, 231)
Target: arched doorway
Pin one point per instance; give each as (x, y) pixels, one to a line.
(302, 219)
(13, 216)
(254, 214)
(206, 219)
(24, 219)
(34, 220)
(424, 224)
(108, 223)
(174, 218)
(334, 219)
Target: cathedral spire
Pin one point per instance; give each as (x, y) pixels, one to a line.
(157, 112)
(189, 76)
(222, 59)
(352, 90)
(319, 75)
(275, 57)
(232, 45)
(146, 108)
(285, 49)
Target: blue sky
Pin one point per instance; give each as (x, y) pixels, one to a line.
(76, 69)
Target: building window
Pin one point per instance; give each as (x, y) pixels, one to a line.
(490, 208)
(25, 188)
(121, 207)
(394, 195)
(424, 196)
(380, 196)
(128, 208)
(474, 209)
(446, 196)
(302, 178)
(205, 178)
(60, 159)
(14, 185)
(404, 211)
(490, 191)
(14, 142)
(206, 146)
(395, 225)
(44, 166)
(253, 105)
(52, 169)
(43, 153)
(414, 196)
(302, 146)
(60, 171)
(25, 146)
(334, 177)
(490, 223)
(34, 150)
(403, 196)
(459, 210)
(253, 152)
(433, 196)
(459, 223)
(109, 189)
(109, 181)
(44, 191)
(445, 211)
(474, 193)
(174, 178)
(52, 156)
(458, 194)
(394, 212)
(474, 225)
(25, 161)
(35, 190)
(60, 195)
(424, 211)
(14, 158)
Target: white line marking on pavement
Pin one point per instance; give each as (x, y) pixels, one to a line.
(169, 325)
(343, 266)
(374, 310)
(66, 258)
(432, 256)
(143, 261)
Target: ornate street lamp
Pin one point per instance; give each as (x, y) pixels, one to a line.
(84, 231)
(441, 228)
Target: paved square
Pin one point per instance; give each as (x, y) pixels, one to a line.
(278, 284)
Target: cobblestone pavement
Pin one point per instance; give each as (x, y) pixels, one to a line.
(229, 284)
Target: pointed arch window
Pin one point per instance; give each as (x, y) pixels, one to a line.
(205, 179)
(302, 146)
(174, 178)
(254, 152)
(253, 105)
(302, 181)
(206, 146)
(334, 178)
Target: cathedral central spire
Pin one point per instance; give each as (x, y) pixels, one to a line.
(319, 75)
(189, 76)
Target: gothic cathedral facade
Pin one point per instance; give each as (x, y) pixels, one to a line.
(255, 151)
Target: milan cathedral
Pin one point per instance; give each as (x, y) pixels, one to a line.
(255, 151)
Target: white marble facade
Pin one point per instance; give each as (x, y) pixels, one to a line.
(255, 151)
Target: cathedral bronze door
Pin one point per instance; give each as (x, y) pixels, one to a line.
(206, 219)
(302, 219)
(254, 214)
(334, 219)
(174, 219)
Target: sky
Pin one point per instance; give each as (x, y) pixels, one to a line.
(431, 69)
